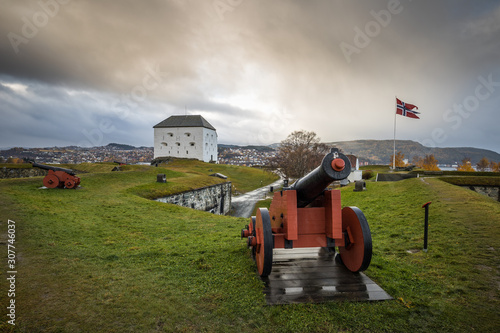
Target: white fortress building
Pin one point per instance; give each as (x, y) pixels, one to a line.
(186, 137)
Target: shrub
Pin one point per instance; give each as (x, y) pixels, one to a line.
(367, 174)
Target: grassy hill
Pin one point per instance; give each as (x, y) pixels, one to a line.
(105, 259)
(380, 151)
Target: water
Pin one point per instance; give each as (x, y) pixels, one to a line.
(445, 168)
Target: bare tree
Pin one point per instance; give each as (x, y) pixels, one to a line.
(298, 154)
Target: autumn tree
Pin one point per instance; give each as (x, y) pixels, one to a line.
(399, 159)
(495, 167)
(418, 162)
(430, 163)
(15, 160)
(483, 164)
(298, 154)
(465, 165)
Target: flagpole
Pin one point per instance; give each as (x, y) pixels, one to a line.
(394, 150)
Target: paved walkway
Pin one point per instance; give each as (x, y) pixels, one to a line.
(244, 204)
(311, 275)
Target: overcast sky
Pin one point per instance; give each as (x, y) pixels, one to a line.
(93, 72)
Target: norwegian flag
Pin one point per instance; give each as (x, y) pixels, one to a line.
(406, 110)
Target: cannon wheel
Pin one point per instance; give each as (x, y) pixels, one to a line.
(264, 247)
(70, 183)
(51, 181)
(252, 229)
(357, 253)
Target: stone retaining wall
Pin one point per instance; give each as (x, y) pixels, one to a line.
(490, 191)
(21, 172)
(215, 199)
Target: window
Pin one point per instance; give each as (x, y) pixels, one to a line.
(192, 144)
(187, 134)
(164, 144)
(178, 144)
(170, 134)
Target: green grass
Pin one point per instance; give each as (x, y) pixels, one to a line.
(15, 165)
(472, 181)
(104, 259)
(376, 168)
(244, 179)
(455, 173)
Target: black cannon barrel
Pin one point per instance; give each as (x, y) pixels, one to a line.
(48, 167)
(335, 166)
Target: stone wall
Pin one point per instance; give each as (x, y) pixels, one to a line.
(490, 191)
(21, 172)
(215, 199)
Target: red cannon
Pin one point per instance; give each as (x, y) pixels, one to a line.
(58, 177)
(307, 214)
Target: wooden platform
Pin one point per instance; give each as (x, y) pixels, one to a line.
(311, 275)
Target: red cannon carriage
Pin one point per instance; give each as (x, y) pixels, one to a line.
(58, 177)
(307, 214)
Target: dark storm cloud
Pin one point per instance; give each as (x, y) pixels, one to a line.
(245, 65)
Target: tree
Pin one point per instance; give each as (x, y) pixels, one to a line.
(418, 161)
(495, 167)
(430, 163)
(399, 159)
(465, 165)
(298, 154)
(17, 160)
(483, 164)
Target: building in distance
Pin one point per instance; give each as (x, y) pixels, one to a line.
(185, 137)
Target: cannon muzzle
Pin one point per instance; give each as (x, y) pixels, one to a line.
(335, 166)
(48, 167)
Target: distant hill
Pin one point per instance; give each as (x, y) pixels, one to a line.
(380, 151)
(221, 147)
(119, 146)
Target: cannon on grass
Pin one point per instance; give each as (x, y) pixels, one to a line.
(307, 214)
(58, 177)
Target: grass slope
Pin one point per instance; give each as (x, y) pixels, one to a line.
(103, 259)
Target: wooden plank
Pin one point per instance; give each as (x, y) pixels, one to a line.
(311, 275)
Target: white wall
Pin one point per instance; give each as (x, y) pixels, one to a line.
(209, 145)
(186, 142)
